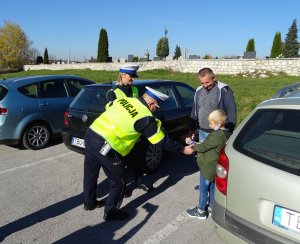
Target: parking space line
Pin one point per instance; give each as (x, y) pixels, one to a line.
(34, 163)
(168, 229)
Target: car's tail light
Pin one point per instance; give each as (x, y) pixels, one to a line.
(66, 119)
(3, 111)
(222, 172)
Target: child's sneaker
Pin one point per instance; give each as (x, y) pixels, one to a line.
(209, 210)
(196, 212)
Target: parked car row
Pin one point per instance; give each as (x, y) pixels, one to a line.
(35, 109)
(258, 172)
(90, 103)
(32, 108)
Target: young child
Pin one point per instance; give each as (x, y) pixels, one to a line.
(207, 156)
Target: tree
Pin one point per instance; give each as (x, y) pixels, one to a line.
(162, 48)
(46, 57)
(39, 60)
(33, 53)
(102, 47)
(135, 59)
(207, 56)
(291, 45)
(250, 46)
(177, 53)
(277, 46)
(14, 46)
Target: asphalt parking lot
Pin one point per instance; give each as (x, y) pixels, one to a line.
(41, 202)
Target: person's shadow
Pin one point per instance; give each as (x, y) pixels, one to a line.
(46, 213)
(175, 167)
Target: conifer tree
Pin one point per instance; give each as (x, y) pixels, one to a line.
(102, 47)
(277, 46)
(162, 48)
(250, 46)
(291, 45)
(46, 58)
(158, 48)
(39, 60)
(177, 53)
(165, 47)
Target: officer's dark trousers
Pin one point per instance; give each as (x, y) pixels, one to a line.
(112, 167)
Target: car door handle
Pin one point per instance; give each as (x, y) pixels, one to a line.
(44, 104)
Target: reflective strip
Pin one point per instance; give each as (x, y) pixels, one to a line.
(135, 92)
(159, 135)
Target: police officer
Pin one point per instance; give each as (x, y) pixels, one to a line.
(124, 88)
(111, 137)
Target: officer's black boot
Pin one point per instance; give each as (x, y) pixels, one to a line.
(140, 184)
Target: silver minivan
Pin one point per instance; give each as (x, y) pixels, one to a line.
(257, 196)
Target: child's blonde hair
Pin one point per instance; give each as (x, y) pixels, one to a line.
(218, 116)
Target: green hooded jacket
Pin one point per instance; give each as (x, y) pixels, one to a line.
(208, 152)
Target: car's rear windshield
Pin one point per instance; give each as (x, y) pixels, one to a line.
(272, 136)
(3, 92)
(91, 99)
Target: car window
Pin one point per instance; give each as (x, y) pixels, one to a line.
(91, 100)
(53, 89)
(3, 92)
(187, 95)
(29, 90)
(272, 136)
(75, 85)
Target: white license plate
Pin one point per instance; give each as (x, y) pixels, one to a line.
(78, 142)
(286, 218)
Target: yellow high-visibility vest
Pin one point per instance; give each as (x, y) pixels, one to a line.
(119, 93)
(116, 124)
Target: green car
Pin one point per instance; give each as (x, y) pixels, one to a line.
(257, 196)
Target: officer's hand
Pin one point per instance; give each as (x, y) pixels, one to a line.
(190, 140)
(188, 150)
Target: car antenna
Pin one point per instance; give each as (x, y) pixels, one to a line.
(2, 77)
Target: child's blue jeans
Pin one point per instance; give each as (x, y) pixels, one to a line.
(206, 188)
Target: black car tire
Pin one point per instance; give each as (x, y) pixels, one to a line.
(153, 158)
(36, 136)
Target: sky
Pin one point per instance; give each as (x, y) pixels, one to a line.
(70, 29)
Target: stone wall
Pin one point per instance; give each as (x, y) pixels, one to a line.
(220, 66)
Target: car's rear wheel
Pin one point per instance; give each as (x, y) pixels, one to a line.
(36, 136)
(153, 158)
